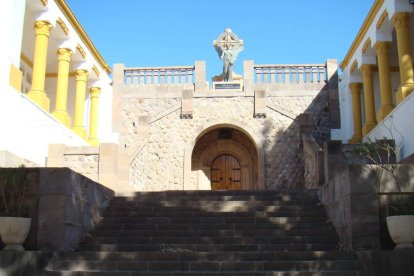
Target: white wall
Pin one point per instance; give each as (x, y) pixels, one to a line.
(26, 130)
(11, 22)
(398, 126)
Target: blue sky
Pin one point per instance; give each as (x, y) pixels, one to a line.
(178, 32)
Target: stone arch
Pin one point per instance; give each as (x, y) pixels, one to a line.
(254, 137)
(226, 147)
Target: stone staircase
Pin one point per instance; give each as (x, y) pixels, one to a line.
(211, 233)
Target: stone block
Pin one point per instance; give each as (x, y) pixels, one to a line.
(55, 156)
(260, 104)
(187, 104)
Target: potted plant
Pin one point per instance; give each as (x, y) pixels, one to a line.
(381, 156)
(14, 207)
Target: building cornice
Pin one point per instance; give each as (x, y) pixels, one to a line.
(81, 32)
(362, 32)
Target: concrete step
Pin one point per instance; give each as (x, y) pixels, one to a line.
(206, 273)
(169, 219)
(206, 256)
(205, 265)
(282, 211)
(196, 239)
(209, 247)
(221, 230)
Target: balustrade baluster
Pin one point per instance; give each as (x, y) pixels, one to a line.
(162, 76)
(168, 76)
(182, 75)
(259, 75)
(265, 75)
(322, 74)
(272, 75)
(279, 72)
(134, 77)
(301, 74)
(147, 77)
(141, 77)
(315, 74)
(156, 76)
(175, 76)
(308, 74)
(190, 76)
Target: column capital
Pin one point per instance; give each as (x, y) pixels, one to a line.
(367, 69)
(355, 87)
(382, 47)
(402, 20)
(95, 92)
(42, 27)
(64, 54)
(82, 75)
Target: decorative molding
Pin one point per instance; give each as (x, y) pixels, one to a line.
(366, 44)
(55, 75)
(364, 29)
(353, 66)
(82, 34)
(81, 50)
(355, 87)
(44, 2)
(42, 27)
(367, 69)
(81, 75)
(63, 26)
(95, 69)
(95, 92)
(383, 48)
(381, 19)
(64, 54)
(402, 20)
(26, 60)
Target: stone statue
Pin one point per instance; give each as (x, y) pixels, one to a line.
(228, 46)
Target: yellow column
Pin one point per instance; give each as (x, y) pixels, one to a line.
(402, 29)
(94, 115)
(367, 71)
(383, 56)
(60, 112)
(37, 93)
(356, 108)
(81, 80)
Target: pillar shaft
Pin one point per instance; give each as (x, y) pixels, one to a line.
(94, 115)
(356, 108)
(81, 81)
(37, 92)
(402, 30)
(367, 75)
(383, 56)
(60, 112)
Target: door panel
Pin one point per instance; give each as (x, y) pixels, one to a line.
(225, 173)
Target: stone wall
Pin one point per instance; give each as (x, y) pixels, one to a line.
(156, 145)
(66, 206)
(350, 195)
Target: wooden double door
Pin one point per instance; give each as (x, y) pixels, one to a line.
(225, 173)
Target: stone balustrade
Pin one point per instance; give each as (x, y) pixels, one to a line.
(289, 73)
(171, 75)
(170, 81)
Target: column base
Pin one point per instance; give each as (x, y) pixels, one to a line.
(40, 98)
(93, 142)
(355, 139)
(80, 131)
(403, 91)
(62, 116)
(368, 127)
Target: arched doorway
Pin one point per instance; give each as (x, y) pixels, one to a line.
(225, 173)
(224, 148)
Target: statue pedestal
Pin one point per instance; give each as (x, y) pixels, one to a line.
(228, 86)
